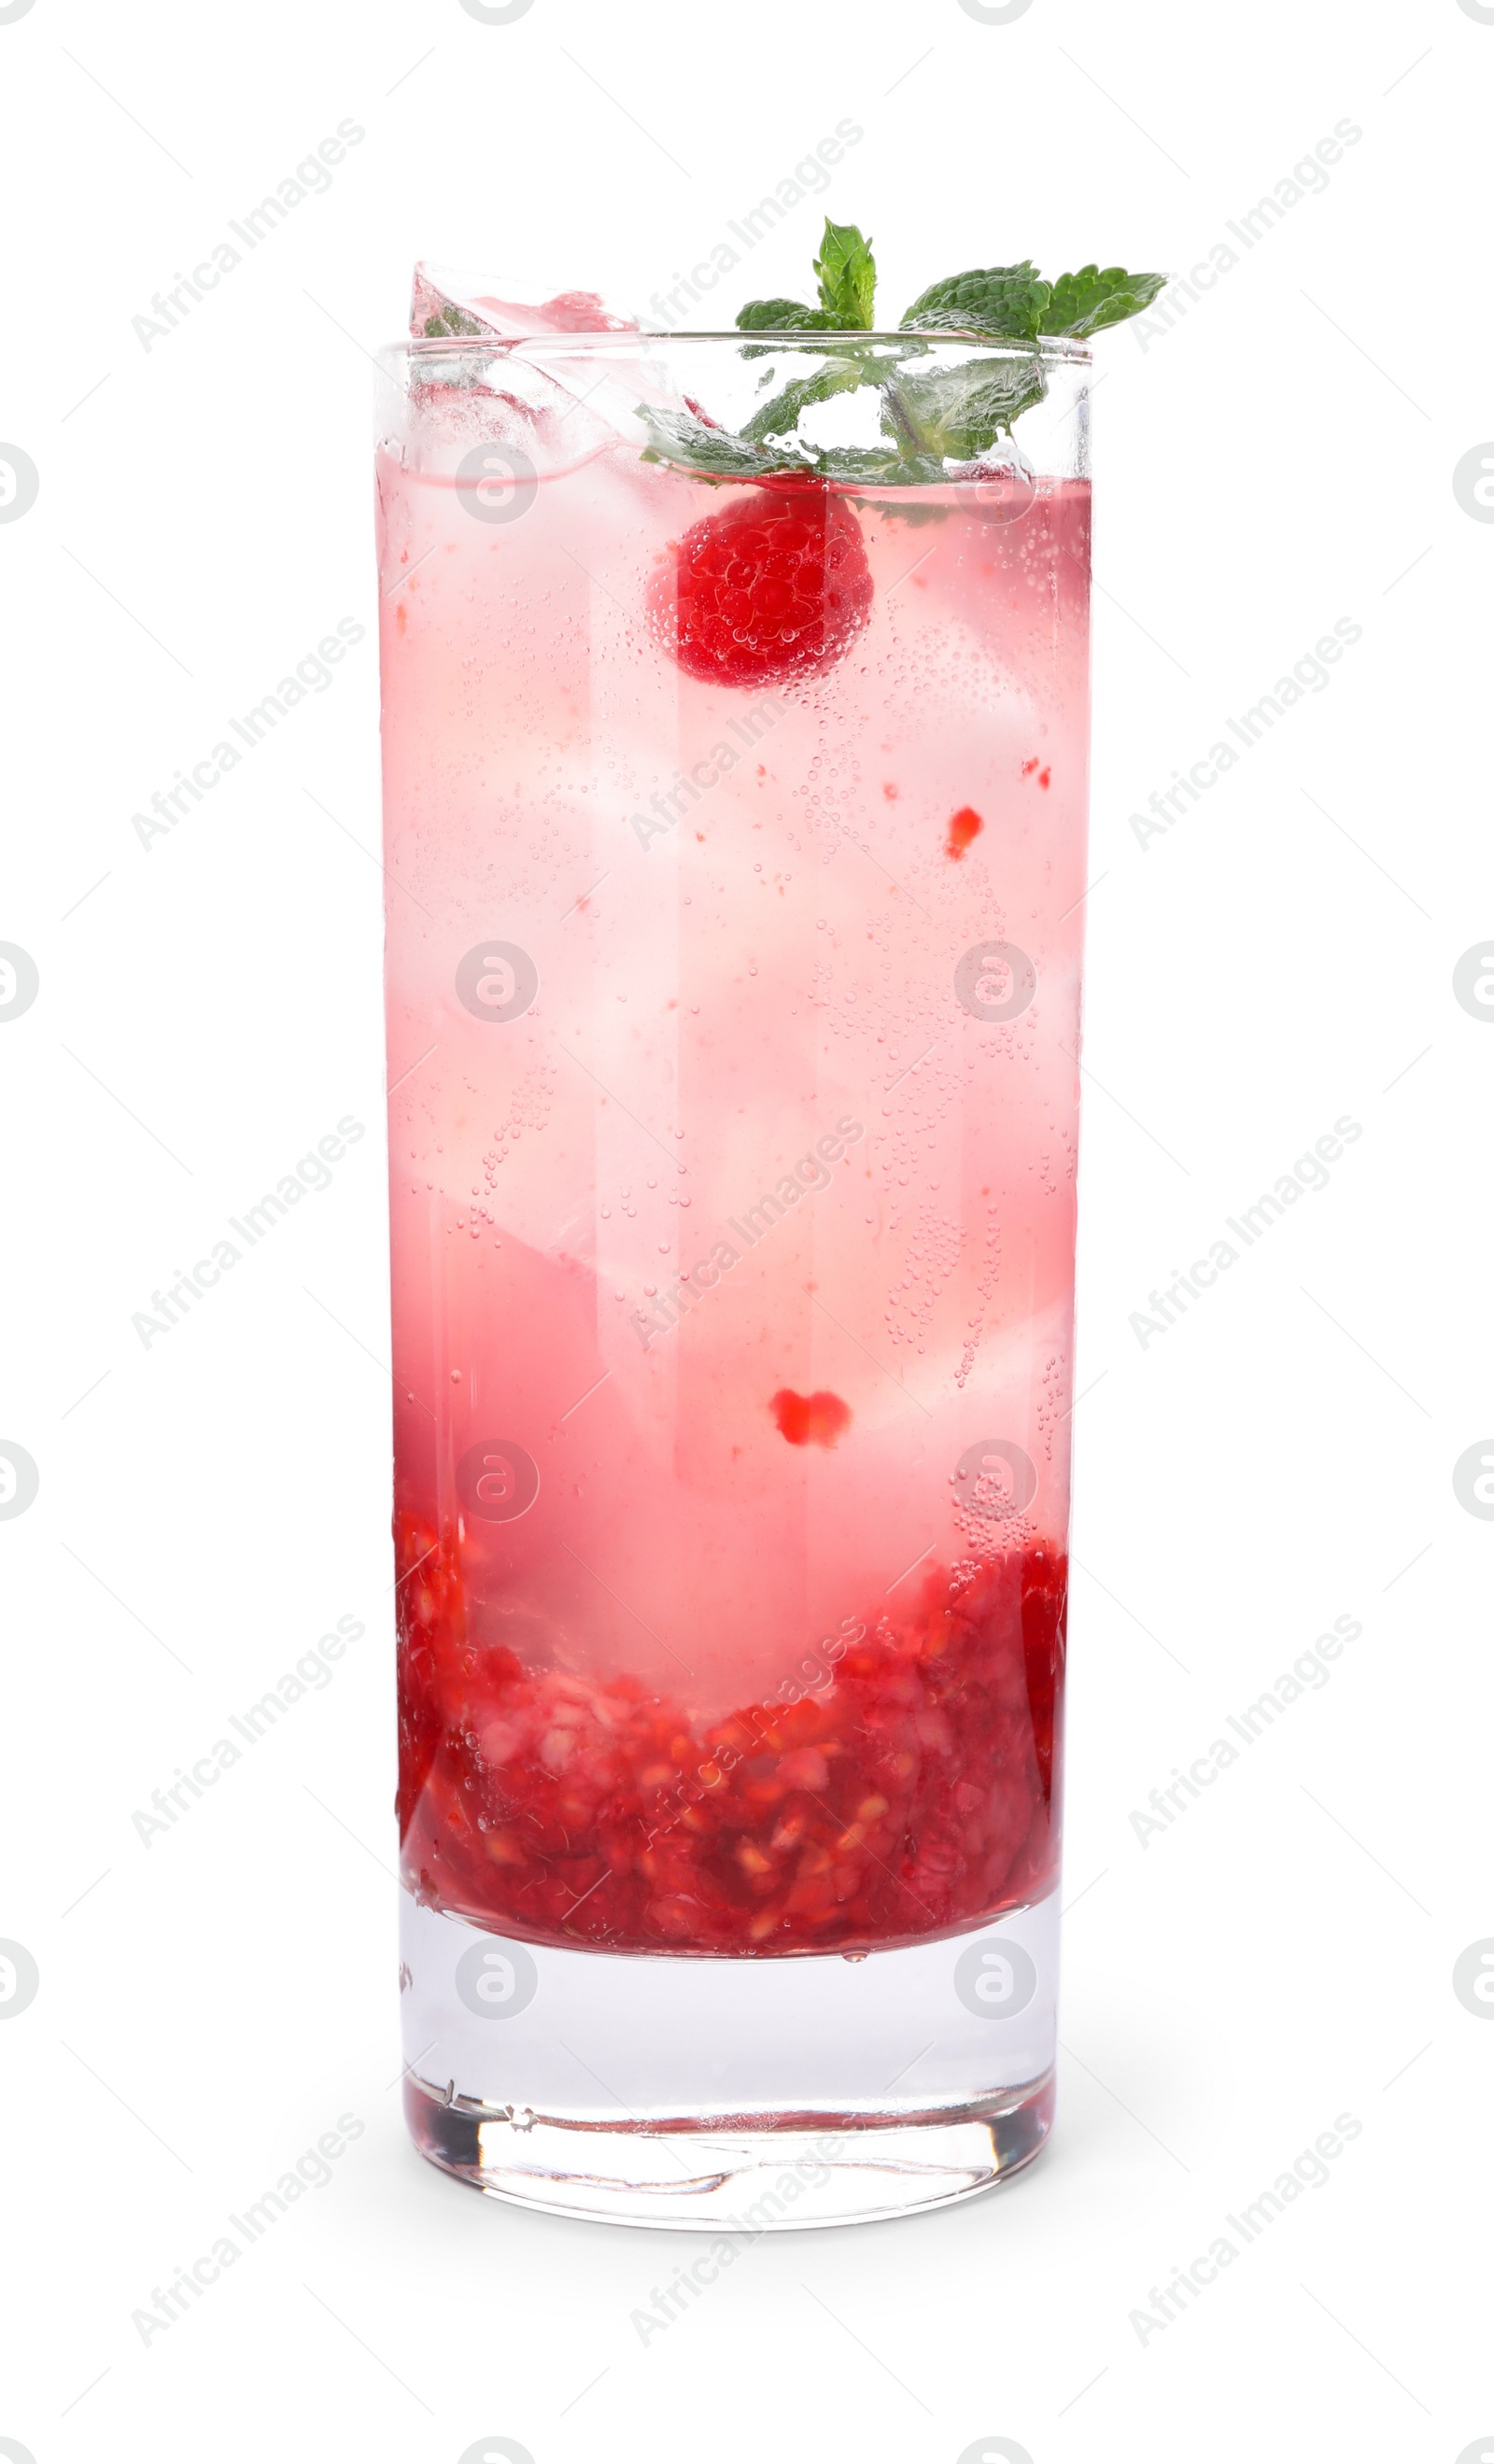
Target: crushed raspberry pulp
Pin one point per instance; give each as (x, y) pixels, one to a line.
(909, 1789)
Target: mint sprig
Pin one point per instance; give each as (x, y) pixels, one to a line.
(848, 276)
(934, 418)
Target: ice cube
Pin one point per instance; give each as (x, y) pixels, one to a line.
(557, 408)
(444, 302)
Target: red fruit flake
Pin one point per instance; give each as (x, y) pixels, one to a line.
(912, 1793)
(810, 1418)
(776, 583)
(965, 825)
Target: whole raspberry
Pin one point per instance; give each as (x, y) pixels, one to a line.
(776, 583)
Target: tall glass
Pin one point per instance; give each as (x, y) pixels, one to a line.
(734, 833)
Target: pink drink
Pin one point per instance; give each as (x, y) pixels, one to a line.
(733, 1022)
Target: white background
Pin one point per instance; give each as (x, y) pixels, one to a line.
(1282, 1954)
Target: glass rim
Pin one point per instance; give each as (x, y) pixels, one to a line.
(1062, 350)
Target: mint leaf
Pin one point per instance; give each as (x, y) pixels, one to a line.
(957, 414)
(848, 276)
(1007, 301)
(868, 468)
(450, 320)
(783, 317)
(676, 436)
(1084, 302)
(786, 409)
(708, 453)
(847, 365)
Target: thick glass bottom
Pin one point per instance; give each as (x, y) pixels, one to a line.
(731, 2180)
(734, 2096)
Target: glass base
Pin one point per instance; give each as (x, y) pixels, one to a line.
(734, 2096)
(730, 2181)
